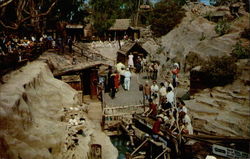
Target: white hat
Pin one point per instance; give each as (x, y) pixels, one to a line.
(176, 64)
(160, 116)
(210, 157)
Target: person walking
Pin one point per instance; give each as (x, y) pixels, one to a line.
(127, 76)
(70, 44)
(117, 80)
(112, 85)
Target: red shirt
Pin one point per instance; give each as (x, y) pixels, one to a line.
(175, 71)
(156, 127)
(153, 107)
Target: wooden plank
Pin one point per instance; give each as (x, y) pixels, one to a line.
(123, 107)
(219, 137)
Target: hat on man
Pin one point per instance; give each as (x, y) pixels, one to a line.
(160, 116)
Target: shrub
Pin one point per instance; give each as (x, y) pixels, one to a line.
(219, 71)
(246, 33)
(192, 60)
(240, 51)
(222, 27)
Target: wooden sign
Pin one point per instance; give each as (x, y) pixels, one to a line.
(229, 152)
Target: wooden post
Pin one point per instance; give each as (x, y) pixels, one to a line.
(163, 152)
(82, 84)
(139, 147)
(137, 15)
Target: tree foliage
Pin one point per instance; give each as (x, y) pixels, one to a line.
(240, 51)
(16, 13)
(105, 12)
(73, 11)
(165, 16)
(222, 27)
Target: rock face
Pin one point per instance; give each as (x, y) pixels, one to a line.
(196, 34)
(31, 115)
(224, 110)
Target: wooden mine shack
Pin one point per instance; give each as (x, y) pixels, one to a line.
(130, 48)
(121, 28)
(85, 80)
(75, 31)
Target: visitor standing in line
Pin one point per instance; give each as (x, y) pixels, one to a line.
(146, 91)
(162, 92)
(175, 73)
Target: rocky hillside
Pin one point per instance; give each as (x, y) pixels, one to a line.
(220, 110)
(35, 110)
(224, 110)
(196, 34)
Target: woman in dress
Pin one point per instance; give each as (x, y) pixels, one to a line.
(130, 60)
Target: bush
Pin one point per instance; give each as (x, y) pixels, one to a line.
(246, 33)
(165, 16)
(219, 71)
(222, 27)
(240, 51)
(192, 60)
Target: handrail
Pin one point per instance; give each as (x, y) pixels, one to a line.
(93, 53)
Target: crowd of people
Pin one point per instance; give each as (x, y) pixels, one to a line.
(14, 44)
(166, 108)
(121, 76)
(160, 97)
(16, 50)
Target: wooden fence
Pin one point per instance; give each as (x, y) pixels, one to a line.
(114, 115)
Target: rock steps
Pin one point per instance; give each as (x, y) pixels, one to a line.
(220, 110)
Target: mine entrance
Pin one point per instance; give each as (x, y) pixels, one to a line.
(89, 82)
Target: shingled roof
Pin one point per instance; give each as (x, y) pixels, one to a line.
(121, 24)
(130, 47)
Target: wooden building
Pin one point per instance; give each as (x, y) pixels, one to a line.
(123, 28)
(75, 31)
(130, 48)
(84, 78)
(74, 81)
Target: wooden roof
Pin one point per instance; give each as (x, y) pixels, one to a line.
(74, 26)
(121, 24)
(79, 67)
(71, 78)
(132, 47)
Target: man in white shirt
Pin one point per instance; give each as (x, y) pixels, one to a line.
(162, 92)
(154, 88)
(187, 126)
(127, 77)
(181, 107)
(170, 95)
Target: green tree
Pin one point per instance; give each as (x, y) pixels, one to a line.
(240, 51)
(222, 27)
(73, 11)
(105, 12)
(165, 16)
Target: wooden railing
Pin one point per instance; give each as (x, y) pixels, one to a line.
(90, 55)
(114, 115)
